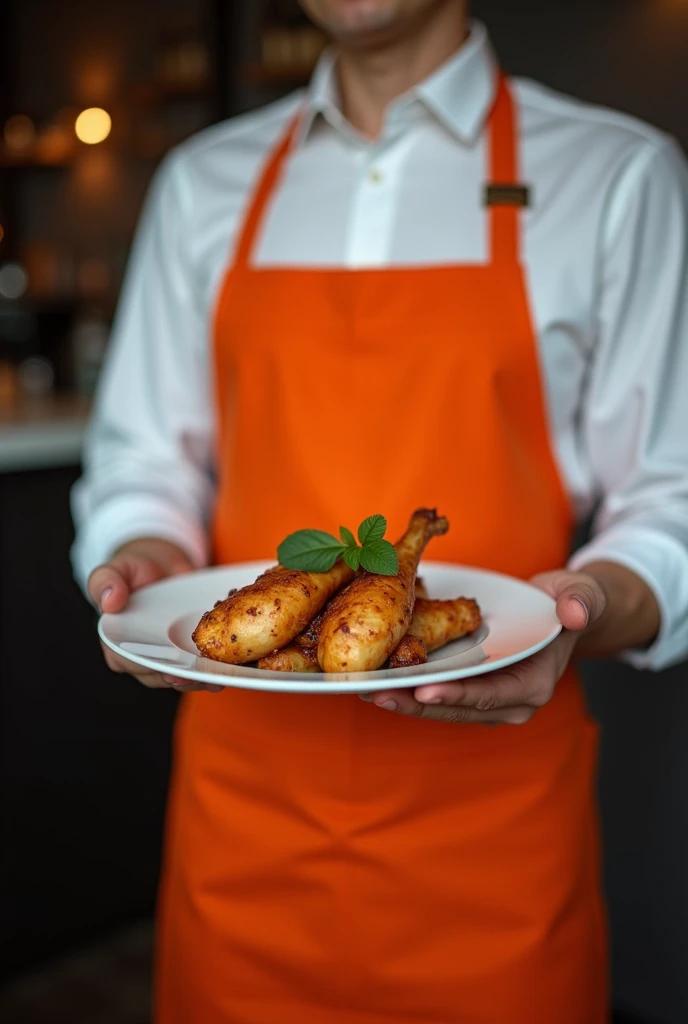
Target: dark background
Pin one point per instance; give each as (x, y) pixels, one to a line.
(85, 754)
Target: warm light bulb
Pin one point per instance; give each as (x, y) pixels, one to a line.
(93, 125)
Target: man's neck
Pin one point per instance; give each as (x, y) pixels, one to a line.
(370, 79)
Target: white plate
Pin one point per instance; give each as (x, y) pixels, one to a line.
(155, 631)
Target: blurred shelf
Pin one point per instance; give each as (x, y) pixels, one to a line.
(32, 163)
(152, 91)
(39, 433)
(256, 73)
(58, 302)
(30, 301)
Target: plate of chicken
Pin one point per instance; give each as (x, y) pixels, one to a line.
(264, 626)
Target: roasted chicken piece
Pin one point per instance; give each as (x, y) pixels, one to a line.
(291, 658)
(311, 634)
(301, 654)
(267, 614)
(365, 623)
(434, 624)
(410, 651)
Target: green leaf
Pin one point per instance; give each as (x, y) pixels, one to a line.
(380, 557)
(352, 557)
(309, 550)
(372, 529)
(348, 537)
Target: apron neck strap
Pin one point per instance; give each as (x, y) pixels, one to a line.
(264, 191)
(502, 169)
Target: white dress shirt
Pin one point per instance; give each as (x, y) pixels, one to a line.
(605, 251)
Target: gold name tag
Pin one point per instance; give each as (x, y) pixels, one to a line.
(507, 195)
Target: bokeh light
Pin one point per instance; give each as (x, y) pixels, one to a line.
(13, 281)
(93, 125)
(19, 133)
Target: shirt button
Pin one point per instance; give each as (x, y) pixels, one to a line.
(375, 176)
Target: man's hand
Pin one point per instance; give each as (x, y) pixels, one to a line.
(135, 565)
(604, 609)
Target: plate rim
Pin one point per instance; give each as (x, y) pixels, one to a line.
(334, 683)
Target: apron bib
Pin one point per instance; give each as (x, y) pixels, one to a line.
(328, 862)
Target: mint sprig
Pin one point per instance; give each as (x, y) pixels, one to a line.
(316, 551)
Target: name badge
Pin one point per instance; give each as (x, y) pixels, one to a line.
(507, 195)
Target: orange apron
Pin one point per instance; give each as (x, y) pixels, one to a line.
(329, 862)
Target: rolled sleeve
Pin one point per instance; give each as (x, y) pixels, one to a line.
(634, 424)
(129, 517)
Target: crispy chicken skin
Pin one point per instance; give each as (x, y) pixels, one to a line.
(411, 651)
(365, 623)
(435, 623)
(311, 634)
(300, 655)
(291, 658)
(266, 615)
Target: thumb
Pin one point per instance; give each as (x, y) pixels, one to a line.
(108, 588)
(580, 598)
(110, 585)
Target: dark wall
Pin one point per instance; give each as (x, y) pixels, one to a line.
(84, 753)
(628, 54)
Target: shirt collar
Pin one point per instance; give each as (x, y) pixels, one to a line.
(459, 93)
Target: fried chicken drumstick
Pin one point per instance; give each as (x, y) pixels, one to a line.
(301, 654)
(266, 615)
(364, 624)
(434, 624)
(291, 658)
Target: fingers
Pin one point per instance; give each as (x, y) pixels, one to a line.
(108, 589)
(110, 585)
(189, 685)
(511, 696)
(483, 694)
(155, 680)
(404, 702)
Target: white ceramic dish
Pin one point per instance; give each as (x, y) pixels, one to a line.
(155, 631)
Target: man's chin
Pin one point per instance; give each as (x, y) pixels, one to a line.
(359, 23)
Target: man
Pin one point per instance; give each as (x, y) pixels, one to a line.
(416, 283)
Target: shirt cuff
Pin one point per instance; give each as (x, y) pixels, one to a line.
(662, 562)
(127, 518)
